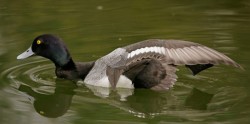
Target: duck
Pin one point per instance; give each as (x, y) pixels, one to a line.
(149, 64)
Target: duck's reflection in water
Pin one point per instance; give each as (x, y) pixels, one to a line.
(198, 99)
(105, 92)
(146, 103)
(142, 103)
(53, 105)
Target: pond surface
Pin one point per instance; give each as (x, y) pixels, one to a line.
(31, 94)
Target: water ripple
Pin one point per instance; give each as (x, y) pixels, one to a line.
(32, 73)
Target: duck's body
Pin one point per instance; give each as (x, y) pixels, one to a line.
(147, 64)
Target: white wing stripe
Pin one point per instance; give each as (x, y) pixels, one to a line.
(160, 50)
(163, 51)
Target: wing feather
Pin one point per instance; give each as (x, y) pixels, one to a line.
(177, 52)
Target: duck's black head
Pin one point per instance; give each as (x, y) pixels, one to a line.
(48, 46)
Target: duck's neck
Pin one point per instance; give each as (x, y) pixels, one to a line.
(67, 70)
(84, 68)
(72, 70)
(70, 65)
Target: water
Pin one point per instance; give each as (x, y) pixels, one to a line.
(30, 93)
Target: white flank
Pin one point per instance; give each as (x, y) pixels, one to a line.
(103, 82)
(160, 50)
(124, 82)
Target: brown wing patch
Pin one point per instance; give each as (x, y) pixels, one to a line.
(169, 80)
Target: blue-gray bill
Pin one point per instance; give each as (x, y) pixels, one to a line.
(26, 54)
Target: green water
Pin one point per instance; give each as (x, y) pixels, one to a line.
(31, 94)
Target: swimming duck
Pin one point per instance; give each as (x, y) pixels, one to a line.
(147, 64)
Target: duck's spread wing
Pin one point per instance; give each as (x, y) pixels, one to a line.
(167, 52)
(195, 56)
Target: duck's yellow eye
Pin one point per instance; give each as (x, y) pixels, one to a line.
(38, 42)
